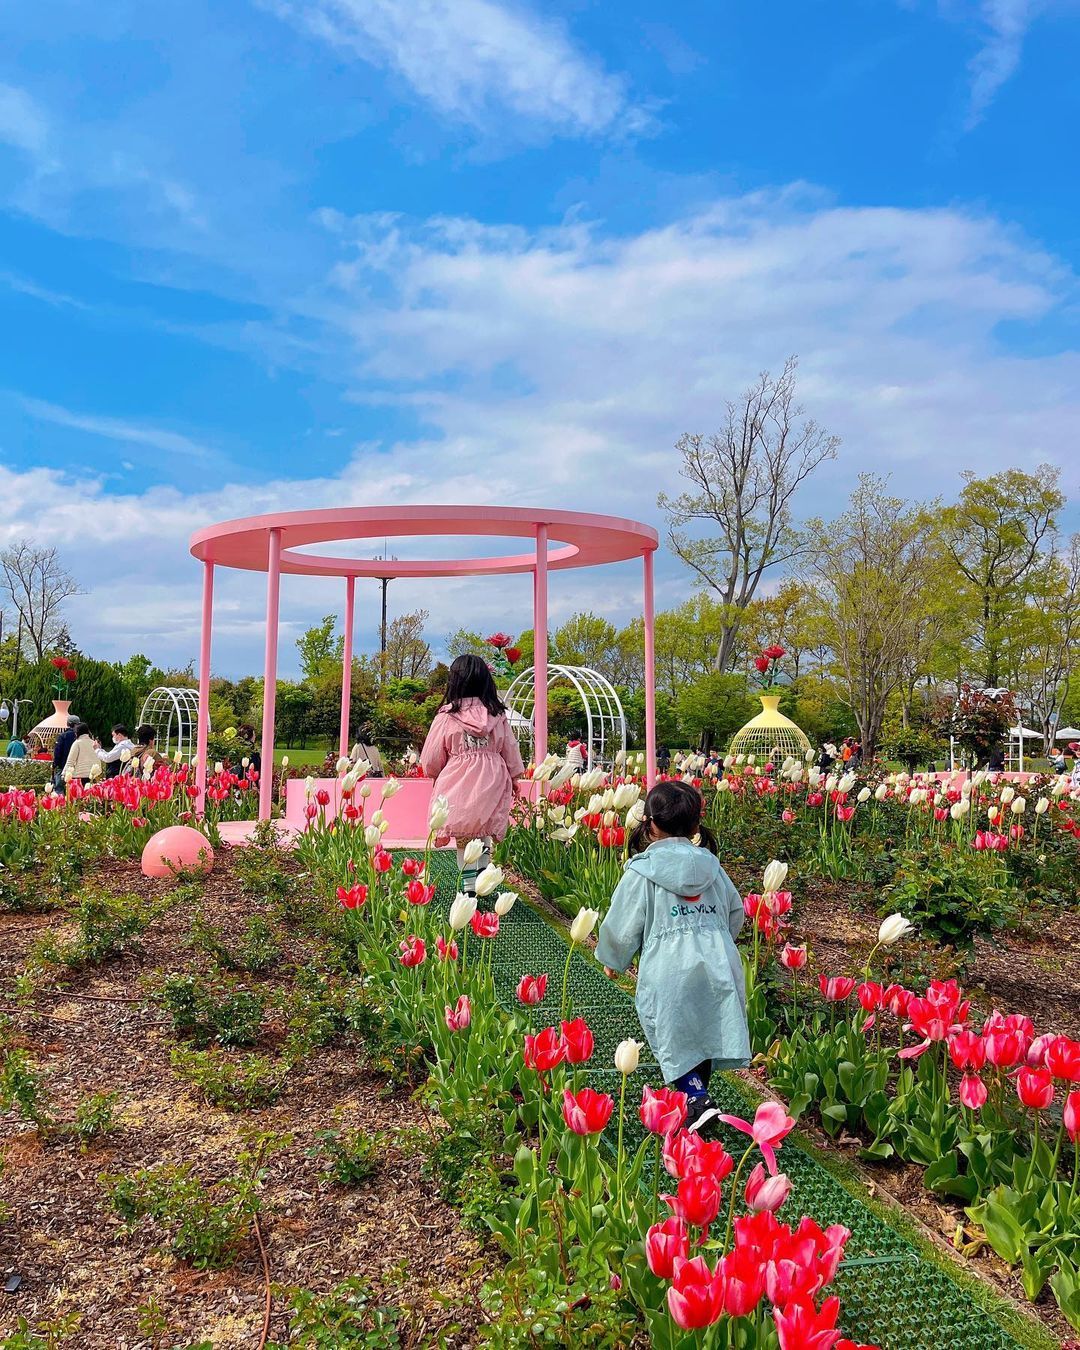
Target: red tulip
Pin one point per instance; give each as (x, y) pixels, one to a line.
(1071, 1115)
(1036, 1051)
(967, 1050)
(413, 951)
(544, 1050)
(1035, 1088)
(666, 1244)
(512, 654)
(696, 1199)
(381, 860)
(743, 1282)
(447, 951)
(770, 1125)
(787, 816)
(696, 1297)
(531, 989)
(662, 1110)
(761, 664)
(837, 989)
(70, 673)
(972, 1091)
(322, 797)
(1063, 1059)
(499, 640)
(484, 925)
(793, 957)
(1004, 1049)
(353, 896)
(869, 995)
(844, 812)
(587, 1111)
(775, 652)
(459, 1017)
(800, 1326)
(766, 1192)
(1023, 1026)
(577, 1041)
(418, 894)
(412, 867)
(60, 662)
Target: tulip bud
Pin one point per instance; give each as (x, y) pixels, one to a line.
(219, 767)
(1042, 806)
(583, 924)
(1007, 794)
(992, 814)
(881, 792)
(389, 788)
(284, 761)
(440, 814)
(489, 880)
(342, 766)
(1018, 806)
(893, 929)
(125, 756)
(504, 903)
(775, 873)
(864, 795)
(627, 1055)
(461, 911)
(764, 1192)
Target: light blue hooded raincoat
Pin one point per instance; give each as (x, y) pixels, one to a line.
(678, 907)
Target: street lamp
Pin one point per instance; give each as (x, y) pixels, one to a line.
(384, 582)
(6, 712)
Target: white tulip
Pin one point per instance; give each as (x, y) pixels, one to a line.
(461, 911)
(365, 790)
(377, 818)
(729, 760)
(556, 814)
(309, 784)
(284, 761)
(348, 783)
(504, 903)
(881, 792)
(342, 766)
(809, 755)
(472, 852)
(751, 759)
(372, 835)
(219, 767)
(1019, 806)
(627, 1055)
(893, 929)
(626, 794)
(1007, 794)
(596, 804)
(740, 759)
(440, 814)
(864, 795)
(635, 815)
(722, 785)
(245, 762)
(846, 783)
(95, 770)
(583, 924)
(831, 782)
(565, 833)
(390, 788)
(1042, 806)
(960, 809)
(992, 814)
(608, 799)
(608, 818)
(774, 876)
(362, 768)
(384, 825)
(125, 755)
(490, 879)
(795, 773)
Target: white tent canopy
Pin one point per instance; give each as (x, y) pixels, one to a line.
(1023, 733)
(1067, 734)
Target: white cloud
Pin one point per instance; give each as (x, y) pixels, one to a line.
(1005, 24)
(559, 367)
(119, 429)
(22, 123)
(477, 60)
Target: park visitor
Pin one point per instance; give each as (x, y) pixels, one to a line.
(143, 752)
(575, 752)
(473, 757)
(677, 906)
(246, 736)
(82, 758)
(61, 748)
(16, 748)
(115, 758)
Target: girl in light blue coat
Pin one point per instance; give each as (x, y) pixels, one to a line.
(677, 906)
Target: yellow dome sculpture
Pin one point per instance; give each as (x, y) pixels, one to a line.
(770, 731)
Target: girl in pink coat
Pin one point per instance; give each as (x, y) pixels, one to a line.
(472, 754)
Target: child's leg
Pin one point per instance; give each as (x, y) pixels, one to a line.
(700, 1107)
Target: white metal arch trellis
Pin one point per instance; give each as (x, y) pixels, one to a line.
(605, 721)
(174, 715)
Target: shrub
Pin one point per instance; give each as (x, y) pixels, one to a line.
(106, 926)
(21, 1090)
(26, 773)
(951, 894)
(255, 950)
(95, 1115)
(203, 1012)
(352, 1155)
(347, 1318)
(233, 1082)
(44, 1336)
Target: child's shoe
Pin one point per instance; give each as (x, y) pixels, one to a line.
(701, 1116)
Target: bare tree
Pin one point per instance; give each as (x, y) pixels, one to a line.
(37, 587)
(408, 654)
(743, 479)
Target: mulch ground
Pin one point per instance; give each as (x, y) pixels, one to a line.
(71, 1251)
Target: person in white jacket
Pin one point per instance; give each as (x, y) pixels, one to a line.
(82, 757)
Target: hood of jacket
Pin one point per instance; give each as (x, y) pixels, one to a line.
(678, 867)
(474, 717)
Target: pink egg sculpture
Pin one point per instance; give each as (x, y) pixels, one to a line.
(176, 849)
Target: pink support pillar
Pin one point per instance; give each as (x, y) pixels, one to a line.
(203, 731)
(650, 668)
(540, 646)
(273, 591)
(346, 665)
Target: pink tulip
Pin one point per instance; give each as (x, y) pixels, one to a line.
(800, 1326)
(666, 1244)
(459, 1017)
(1063, 1059)
(662, 1110)
(766, 1192)
(531, 989)
(794, 958)
(837, 989)
(413, 951)
(696, 1297)
(771, 1124)
(1035, 1088)
(447, 951)
(744, 1281)
(972, 1091)
(1071, 1115)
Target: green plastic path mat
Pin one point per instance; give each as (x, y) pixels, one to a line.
(890, 1295)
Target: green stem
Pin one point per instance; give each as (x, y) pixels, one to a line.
(619, 1145)
(734, 1196)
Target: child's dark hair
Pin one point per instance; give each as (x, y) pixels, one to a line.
(675, 808)
(470, 677)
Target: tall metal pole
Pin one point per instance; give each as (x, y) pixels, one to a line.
(649, 609)
(203, 725)
(540, 647)
(273, 593)
(346, 666)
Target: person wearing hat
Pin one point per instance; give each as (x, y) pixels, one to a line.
(61, 749)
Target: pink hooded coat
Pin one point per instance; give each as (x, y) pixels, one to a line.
(473, 757)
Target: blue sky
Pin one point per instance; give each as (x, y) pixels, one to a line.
(300, 252)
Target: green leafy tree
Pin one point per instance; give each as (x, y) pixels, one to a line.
(712, 708)
(319, 649)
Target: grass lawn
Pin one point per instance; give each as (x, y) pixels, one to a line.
(314, 754)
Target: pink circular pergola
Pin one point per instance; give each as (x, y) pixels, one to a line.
(284, 543)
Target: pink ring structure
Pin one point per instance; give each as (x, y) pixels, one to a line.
(556, 540)
(585, 540)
